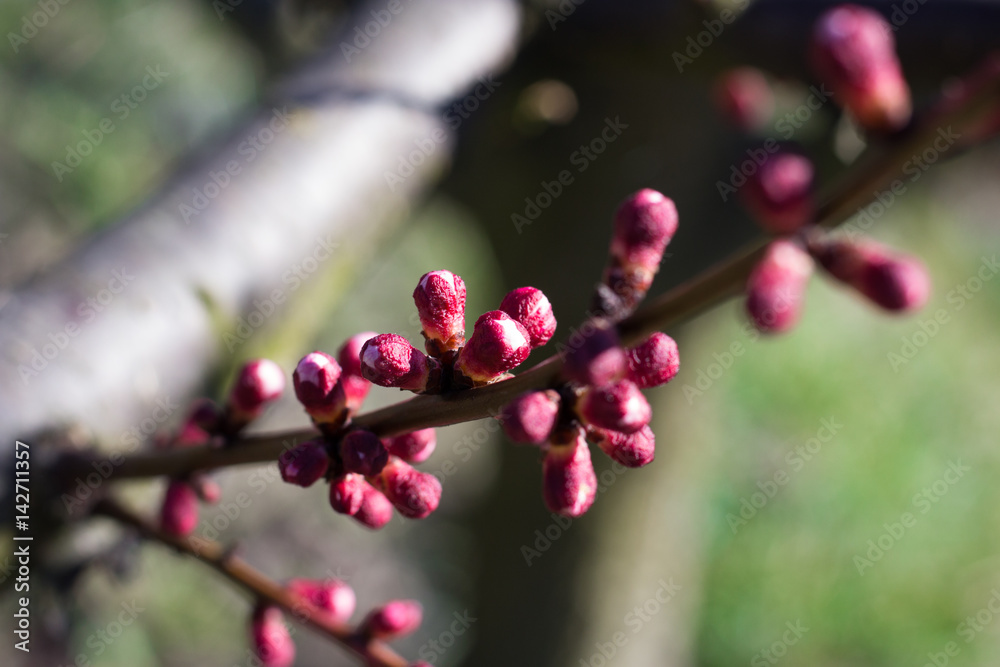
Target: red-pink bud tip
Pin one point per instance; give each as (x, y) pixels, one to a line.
(632, 450)
(780, 193)
(440, 300)
(414, 494)
(317, 386)
(356, 387)
(644, 225)
(394, 619)
(332, 596)
(776, 288)
(853, 52)
(179, 511)
(892, 281)
(745, 97)
(270, 637)
(569, 482)
(362, 452)
(389, 360)
(415, 447)
(595, 356)
(532, 309)
(531, 416)
(304, 464)
(654, 361)
(347, 493)
(206, 488)
(619, 407)
(259, 382)
(375, 510)
(498, 344)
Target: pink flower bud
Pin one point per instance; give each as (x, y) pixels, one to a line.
(654, 361)
(780, 193)
(179, 512)
(498, 344)
(776, 287)
(569, 482)
(853, 52)
(893, 282)
(394, 619)
(206, 488)
(347, 493)
(190, 435)
(440, 299)
(259, 382)
(644, 225)
(532, 309)
(332, 596)
(744, 96)
(531, 416)
(632, 450)
(304, 464)
(414, 494)
(375, 510)
(595, 357)
(389, 360)
(362, 452)
(415, 447)
(355, 385)
(271, 641)
(619, 407)
(318, 388)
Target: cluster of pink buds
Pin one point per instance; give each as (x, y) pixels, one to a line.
(258, 383)
(600, 399)
(853, 52)
(335, 602)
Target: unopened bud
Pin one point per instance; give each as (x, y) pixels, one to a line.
(892, 281)
(440, 300)
(532, 309)
(179, 511)
(569, 483)
(776, 288)
(415, 447)
(270, 637)
(745, 98)
(632, 450)
(619, 407)
(375, 510)
(356, 387)
(780, 193)
(654, 361)
(531, 416)
(304, 464)
(498, 344)
(347, 493)
(258, 383)
(414, 494)
(394, 619)
(389, 360)
(362, 452)
(318, 388)
(332, 596)
(595, 357)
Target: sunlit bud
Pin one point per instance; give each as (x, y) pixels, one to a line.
(853, 52)
(776, 288)
(393, 619)
(389, 360)
(347, 493)
(569, 483)
(362, 452)
(619, 407)
(355, 385)
(440, 299)
(414, 494)
(304, 464)
(632, 450)
(332, 596)
(318, 388)
(654, 361)
(375, 510)
(179, 511)
(258, 383)
(415, 447)
(595, 356)
(532, 309)
(531, 416)
(498, 344)
(780, 193)
(271, 640)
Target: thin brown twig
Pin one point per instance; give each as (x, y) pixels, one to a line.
(874, 172)
(259, 585)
